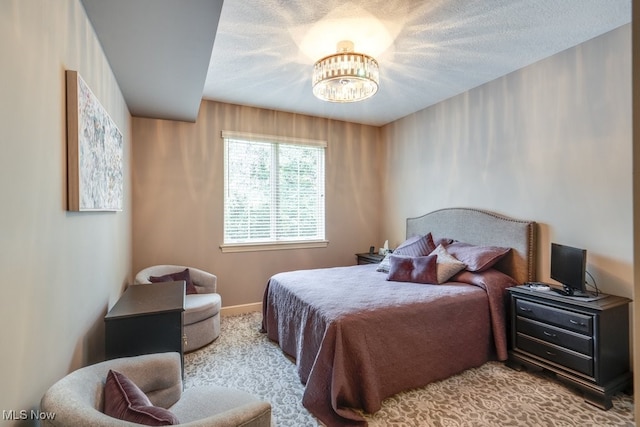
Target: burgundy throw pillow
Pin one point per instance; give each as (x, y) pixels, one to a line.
(176, 277)
(413, 269)
(125, 401)
(416, 246)
(477, 258)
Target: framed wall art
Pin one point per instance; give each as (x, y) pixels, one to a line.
(94, 152)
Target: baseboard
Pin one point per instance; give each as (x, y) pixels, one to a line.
(233, 310)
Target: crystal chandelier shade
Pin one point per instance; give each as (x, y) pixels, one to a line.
(345, 76)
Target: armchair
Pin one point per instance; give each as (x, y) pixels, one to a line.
(202, 310)
(78, 398)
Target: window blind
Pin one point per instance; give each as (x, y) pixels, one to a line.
(273, 189)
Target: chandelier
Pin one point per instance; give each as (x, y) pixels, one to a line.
(345, 76)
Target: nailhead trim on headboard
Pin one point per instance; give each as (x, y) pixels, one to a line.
(481, 227)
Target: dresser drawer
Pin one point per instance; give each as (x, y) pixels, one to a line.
(576, 361)
(573, 341)
(582, 323)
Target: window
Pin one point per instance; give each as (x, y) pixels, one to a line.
(273, 192)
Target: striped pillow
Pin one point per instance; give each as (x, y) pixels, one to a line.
(416, 246)
(413, 246)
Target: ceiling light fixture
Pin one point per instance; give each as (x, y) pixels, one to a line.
(345, 76)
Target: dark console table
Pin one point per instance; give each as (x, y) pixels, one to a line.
(146, 319)
(585, 343)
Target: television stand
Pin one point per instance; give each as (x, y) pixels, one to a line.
(584, 343)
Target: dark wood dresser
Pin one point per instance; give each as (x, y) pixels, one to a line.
(146, 319)
(585, 343)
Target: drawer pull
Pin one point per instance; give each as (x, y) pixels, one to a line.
(549, 334)
(526, 310)
(550, 353)
(575, 322)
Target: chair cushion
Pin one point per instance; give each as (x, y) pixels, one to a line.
(125, 401)
(198, 307)
(196, 404)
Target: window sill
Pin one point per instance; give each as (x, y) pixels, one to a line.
(272, 246)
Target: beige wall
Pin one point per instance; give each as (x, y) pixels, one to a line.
(60, 270)
(497, 147)
(178, 184)
(550, 142)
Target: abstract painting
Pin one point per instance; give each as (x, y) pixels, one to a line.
(94, 152)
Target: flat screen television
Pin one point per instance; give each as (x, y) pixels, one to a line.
(568, 266)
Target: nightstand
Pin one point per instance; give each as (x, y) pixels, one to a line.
(367, 258)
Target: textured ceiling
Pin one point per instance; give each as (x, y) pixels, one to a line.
(264, 51)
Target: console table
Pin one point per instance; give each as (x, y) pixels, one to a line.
(585, 343)
(146, 319)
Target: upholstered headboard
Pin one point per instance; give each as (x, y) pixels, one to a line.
(488, 229)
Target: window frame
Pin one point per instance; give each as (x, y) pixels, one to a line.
(231, 247)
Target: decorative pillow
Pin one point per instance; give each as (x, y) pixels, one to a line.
(413, 269)
(477, 258)
(416, 246)
(385, 264)
(125, 401)
(447, 265)
(176, 277)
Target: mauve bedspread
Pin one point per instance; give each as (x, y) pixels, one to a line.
(358, 338)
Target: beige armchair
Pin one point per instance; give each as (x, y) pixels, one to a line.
(78, 400)
(202, 310)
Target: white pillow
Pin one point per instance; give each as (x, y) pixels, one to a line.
(385, 264)
(447, 265)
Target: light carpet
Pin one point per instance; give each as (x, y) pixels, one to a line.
(491, 395)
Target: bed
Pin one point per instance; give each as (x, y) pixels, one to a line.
(358, 338)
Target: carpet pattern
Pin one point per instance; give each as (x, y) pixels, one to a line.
(491, 395)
